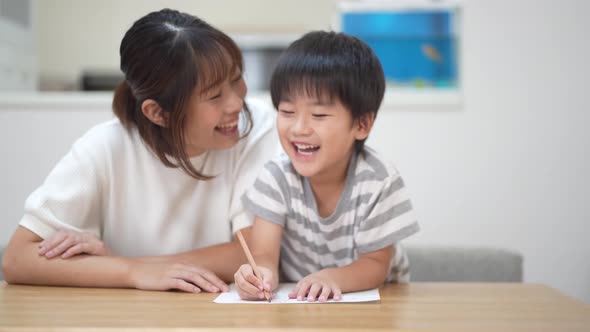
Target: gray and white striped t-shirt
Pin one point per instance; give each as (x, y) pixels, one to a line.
(373, 212)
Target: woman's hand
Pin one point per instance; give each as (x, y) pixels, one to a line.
(249, 286)
(318, 286)
(68, 243)
(168, 276)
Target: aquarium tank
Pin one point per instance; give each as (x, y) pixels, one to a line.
(418, 48)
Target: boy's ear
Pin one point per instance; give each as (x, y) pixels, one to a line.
(363, 126)
(152, 110)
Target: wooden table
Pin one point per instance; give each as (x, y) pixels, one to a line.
(413, 307)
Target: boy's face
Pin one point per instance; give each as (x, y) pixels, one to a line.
(318, 136)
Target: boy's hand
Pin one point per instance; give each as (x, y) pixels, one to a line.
(251, 288)
(318, 286)
(68, 243)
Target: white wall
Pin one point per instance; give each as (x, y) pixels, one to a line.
(85, 34)
(509, 169)
(31, 143)
(18, 54)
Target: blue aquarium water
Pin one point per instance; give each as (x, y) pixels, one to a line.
(416, 48)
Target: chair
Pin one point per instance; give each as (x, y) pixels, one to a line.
(1, 254)
(464, 264)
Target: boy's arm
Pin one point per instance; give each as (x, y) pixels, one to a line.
(368, 271)
(265, 243)
(265, 247)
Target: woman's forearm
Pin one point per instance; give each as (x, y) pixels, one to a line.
(22, 264)
(222, 259)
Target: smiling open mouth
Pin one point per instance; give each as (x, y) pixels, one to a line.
(305, 149)
(229, 128)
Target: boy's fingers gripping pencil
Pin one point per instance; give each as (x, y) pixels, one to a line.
(251, 261)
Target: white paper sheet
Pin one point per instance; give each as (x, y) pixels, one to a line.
(281, 296)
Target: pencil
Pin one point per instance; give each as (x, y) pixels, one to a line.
(251, 261)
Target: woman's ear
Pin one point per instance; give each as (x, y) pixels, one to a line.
(152, 110)
(363, 126)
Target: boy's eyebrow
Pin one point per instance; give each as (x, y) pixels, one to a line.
(320, 102)
(313, 100)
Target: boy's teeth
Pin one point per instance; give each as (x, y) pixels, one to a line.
(304, 146)
(305, 149)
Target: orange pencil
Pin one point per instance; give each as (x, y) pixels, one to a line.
(251, 261)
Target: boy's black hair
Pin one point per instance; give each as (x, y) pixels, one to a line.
(330, 65)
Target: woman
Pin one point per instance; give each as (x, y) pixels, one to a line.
(160, 185)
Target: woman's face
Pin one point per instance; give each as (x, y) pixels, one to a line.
(212, 117)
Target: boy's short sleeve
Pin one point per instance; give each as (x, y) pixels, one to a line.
(389, 218)
(267, 197)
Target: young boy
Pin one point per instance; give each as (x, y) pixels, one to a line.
(330, 206)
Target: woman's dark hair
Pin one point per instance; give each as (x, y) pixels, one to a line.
(330, 65)
(165, 55)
